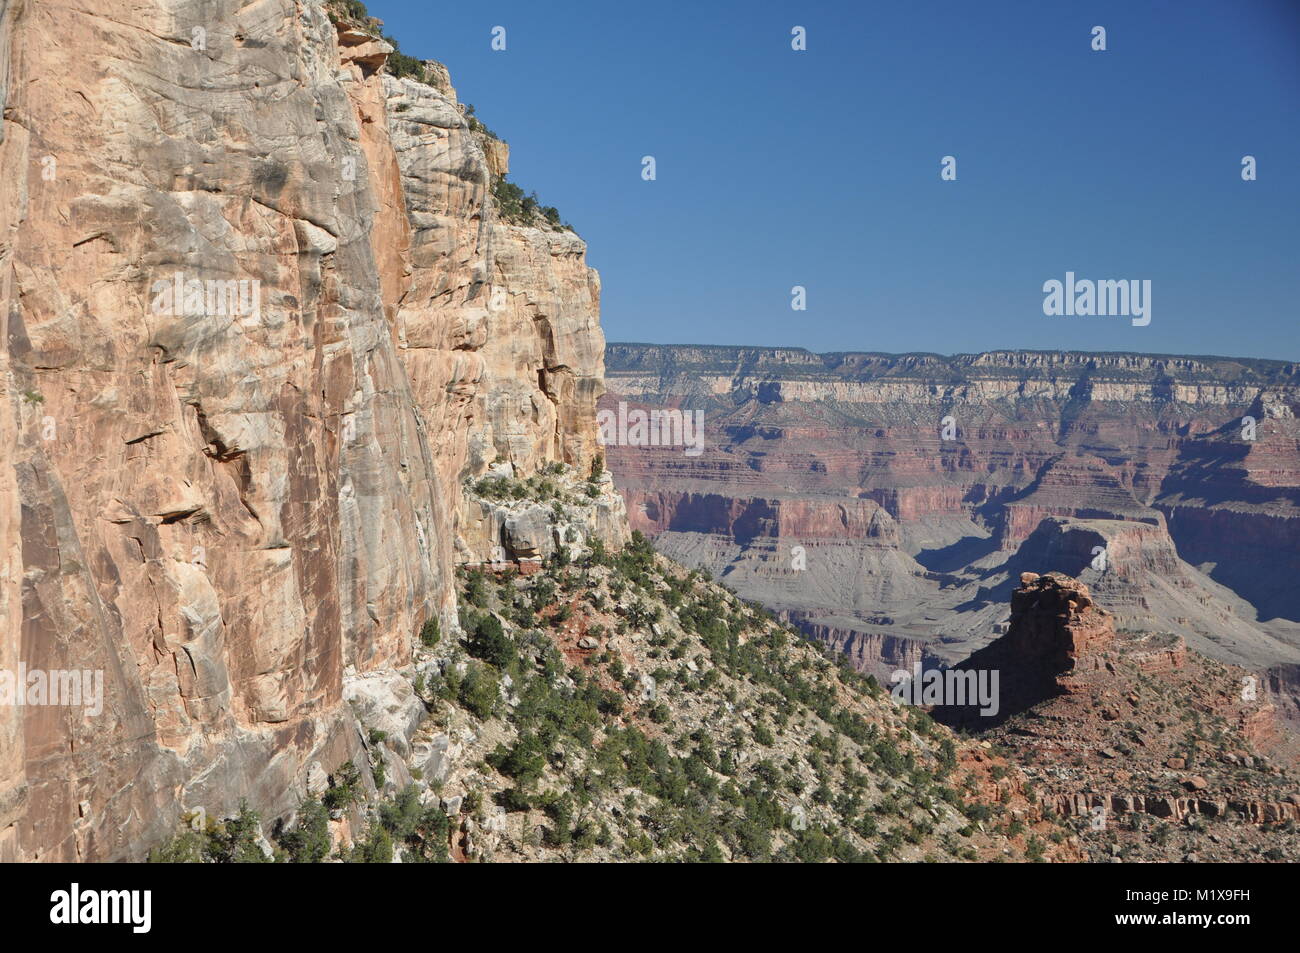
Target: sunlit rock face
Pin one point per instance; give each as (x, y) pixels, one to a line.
(250, 354)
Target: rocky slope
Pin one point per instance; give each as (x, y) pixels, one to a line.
(1158, 752)
(614, 706)
(888, 503)
(262, 318)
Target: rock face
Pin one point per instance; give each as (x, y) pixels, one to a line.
(250, 352)
(497, 323)
(1183, 474)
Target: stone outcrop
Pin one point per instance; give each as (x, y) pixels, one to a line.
(552, 512)
(1056, 634)
(1173, 808)
(1055, 626)
(235, 500)
(1113, 724)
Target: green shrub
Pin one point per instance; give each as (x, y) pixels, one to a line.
(476, 591)
(309, 841)
(399, 64)
(232, 841)
(343, 788)
(520, 208)
(430, 632)
(478, 692)
(489, 642)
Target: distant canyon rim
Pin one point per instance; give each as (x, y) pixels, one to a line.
(826, 491)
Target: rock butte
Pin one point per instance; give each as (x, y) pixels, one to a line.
(1081, 700)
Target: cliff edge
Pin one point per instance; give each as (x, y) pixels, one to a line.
(262, 318)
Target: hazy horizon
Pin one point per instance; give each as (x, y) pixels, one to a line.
(953, 354)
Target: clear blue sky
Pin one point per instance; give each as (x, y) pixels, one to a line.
(821, 168)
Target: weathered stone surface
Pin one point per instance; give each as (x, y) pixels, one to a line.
(434, 757)
(521, 299)
(527, 533)
(384, 701)
(223, 510)
(494, 530)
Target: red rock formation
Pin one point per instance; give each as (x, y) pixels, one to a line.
(1149, 457)
(1056, 639)
(1055, 625)
(1082, 715)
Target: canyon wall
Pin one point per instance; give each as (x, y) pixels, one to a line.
(497, 323)
(1184, 470)
(261, 319)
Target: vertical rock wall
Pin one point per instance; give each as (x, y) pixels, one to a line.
(497, 323)
(224, 510)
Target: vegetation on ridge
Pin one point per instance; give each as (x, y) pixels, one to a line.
(519, 208)
(621, 707)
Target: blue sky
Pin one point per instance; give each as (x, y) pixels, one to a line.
(821, 168)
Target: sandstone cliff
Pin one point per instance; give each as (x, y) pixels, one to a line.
(234, 499)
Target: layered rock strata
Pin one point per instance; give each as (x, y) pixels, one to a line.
(1184, 471)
